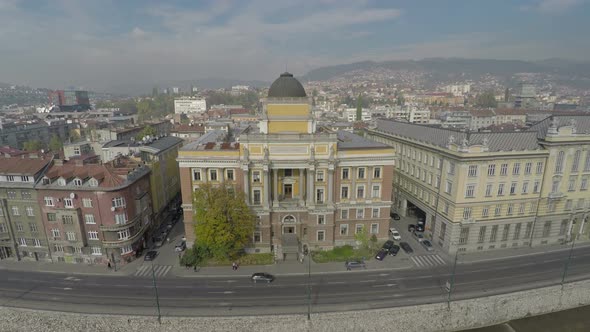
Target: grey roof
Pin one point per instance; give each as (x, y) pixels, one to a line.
(503, 141)
(159, 144)
(212, 136)
(286, 86)
(348, 140)
(582, 123)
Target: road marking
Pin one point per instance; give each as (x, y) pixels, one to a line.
(159, 271)
(368, 280)
(336, 282)
(72, 279)
(428, 260)
(61, 288)
(386, 285)
(225, 281)
(379, 275)
(225, 292)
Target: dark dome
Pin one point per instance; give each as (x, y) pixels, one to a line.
(286, 86)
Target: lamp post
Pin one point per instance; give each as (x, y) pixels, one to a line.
(567, 262)
(451, 284)
(308, 285)
(156, 292)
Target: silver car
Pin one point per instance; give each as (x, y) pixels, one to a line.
(427, 245)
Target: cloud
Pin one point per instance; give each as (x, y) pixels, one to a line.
(552, 6)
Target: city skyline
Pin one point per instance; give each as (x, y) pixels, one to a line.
(64, 43)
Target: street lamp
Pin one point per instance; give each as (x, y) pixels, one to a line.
(451, 283)
(308, 254)
(567, 263)
(156, 292)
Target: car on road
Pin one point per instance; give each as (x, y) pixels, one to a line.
(262, 277)
(159, 240)
(388, 244)
(354, 265)
(381, 254)
(180, 246)
(427, 245)
(420, 227)
(419, 236)
(150, 256)
(406, 247)
(395, 234)
(411, 227)
(395, 216)
(394, 250)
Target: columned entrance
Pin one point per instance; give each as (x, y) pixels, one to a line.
(288, 190)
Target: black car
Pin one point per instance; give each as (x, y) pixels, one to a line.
(388, 244)
(394, 250)
(411, 227)
(381, 254)
(395, 216)
(261, 276)
(406, 247)
(419, 228)
(151, 255)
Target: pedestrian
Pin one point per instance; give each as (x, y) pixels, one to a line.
(109, 265)
(234, 266)
(195, 268)
(168, 239)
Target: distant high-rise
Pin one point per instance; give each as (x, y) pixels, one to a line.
(69, 100)
(525, 95)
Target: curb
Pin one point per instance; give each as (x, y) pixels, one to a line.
(196, 275)
(582, 246)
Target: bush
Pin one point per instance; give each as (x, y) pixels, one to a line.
(341, 254)
(194, 256)
(244, 259)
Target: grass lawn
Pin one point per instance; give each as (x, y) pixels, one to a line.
(246, 259)
(341, 254)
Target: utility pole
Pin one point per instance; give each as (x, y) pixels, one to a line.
(156, 291)
(451, 284)
(567, 263)
(309, 286)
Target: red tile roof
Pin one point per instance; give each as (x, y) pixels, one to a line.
(22, 166)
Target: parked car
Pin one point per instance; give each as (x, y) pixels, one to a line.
(263, 277)
(395, 216)
(427, 245)
(388, 244)
(395, 234)
(381, 254)
(159, 240)
(354, 265)
(394, 250)
(180, 246)
(411, 227)
(151, 255)
(419, 228)
(406, 247)
(419, 236)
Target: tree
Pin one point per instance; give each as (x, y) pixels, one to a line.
(400, 100)
(362, 238)
(146, 131)
(359, 108)
(33, 145)
(74, 135)
(55, 144)
(224, 223)
(486, 99)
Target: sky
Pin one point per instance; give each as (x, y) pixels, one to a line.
(107, 45)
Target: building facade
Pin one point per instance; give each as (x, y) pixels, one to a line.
(483, 191)
(188, 105)
(309, 189)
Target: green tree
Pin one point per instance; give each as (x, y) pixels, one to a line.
(224, 223)
(146, 131)
(194, 256)
(486, 99)
(400, 100)
(359, 108)
(362, 238)
(33, 145)
(55, 144)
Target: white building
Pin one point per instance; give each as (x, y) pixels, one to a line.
(186, 105)
(458, 89)
(350, 115)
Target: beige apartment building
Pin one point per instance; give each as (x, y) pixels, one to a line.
(484, 191)
(310, 188)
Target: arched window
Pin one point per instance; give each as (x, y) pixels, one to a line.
(289, 219)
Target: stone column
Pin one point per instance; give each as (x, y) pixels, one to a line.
(275, 201)
(309, 194)
(266, 188)
(300, 187)
(246, 183)
(330, 186)
(206, 175)
(312, 187)
(221, 174)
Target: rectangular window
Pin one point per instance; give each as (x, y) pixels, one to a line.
(491, 169)
(345, 174)
(563, 227)
(443, 231)
(516, 235)
(587, 163)
(344, 229)
(551, 206)
(584, 184)
(71, 236)
(344, 214)
(580, 204)
(470, 190)
(58, 248)
(505, 232)
(89, 219)
(67, 220)
(516, 169)
(539, 167)
(489, 189)
(55, 233)
(464, 235)
(30, 211)
(429, 178)
(36, 242)
(449, 187)
(19, 227)
(358, 228)
(256, 176)
(22, 242)
(229, 174)
(25, 194)
(559, 162)
(361, 173)
(319, 195)
(513, 186)
(525, 187)
(374, 228)
(92, 235)
(576, 162)
(288, 172)
(257, 237)
(446, 208)
(87, 202)
(15, 211)
(196, 175)
(521, 208)
(466, 213)
(33, 227)
(321, 219)
(503, 169)
(68, 203)
(376, 212)
(360, 191)
(528, 230)
(510, 209)
(536, 186)
(256, 198)
(126, 249)
(213, 175)
(120, 218)
(437, 183)
(377, 173)
(51, 217)
(571, 186)
(472, 171)
(97, 251)
(376, 191)
(485, 211)
(123, 235)
(3, 228)
(319, 176)
(527, 168)
(321, 235)
(494, 233)
(118, 202)
(344, 192)
(555, 186)
(482, 234)
(360, 213)
(500, 189)
(11, 194)
(498, 210)
(547, 229)
(451, 168)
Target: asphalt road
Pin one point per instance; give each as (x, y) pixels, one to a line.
(287, 294)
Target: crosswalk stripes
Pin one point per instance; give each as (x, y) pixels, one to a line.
(159, 270)
(428, 260)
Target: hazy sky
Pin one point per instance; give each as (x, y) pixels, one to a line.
(101, 44)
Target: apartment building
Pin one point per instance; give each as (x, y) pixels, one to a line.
(483, 191)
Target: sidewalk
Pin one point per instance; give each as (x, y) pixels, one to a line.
(66, 268)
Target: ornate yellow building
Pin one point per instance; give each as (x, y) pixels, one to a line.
(309, 187)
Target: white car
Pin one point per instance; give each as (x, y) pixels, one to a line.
(395, 234)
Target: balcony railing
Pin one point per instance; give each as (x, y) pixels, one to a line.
(130, 240)
(119, 227)
(556, 195)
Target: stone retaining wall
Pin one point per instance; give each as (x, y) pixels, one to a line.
(420, 318)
